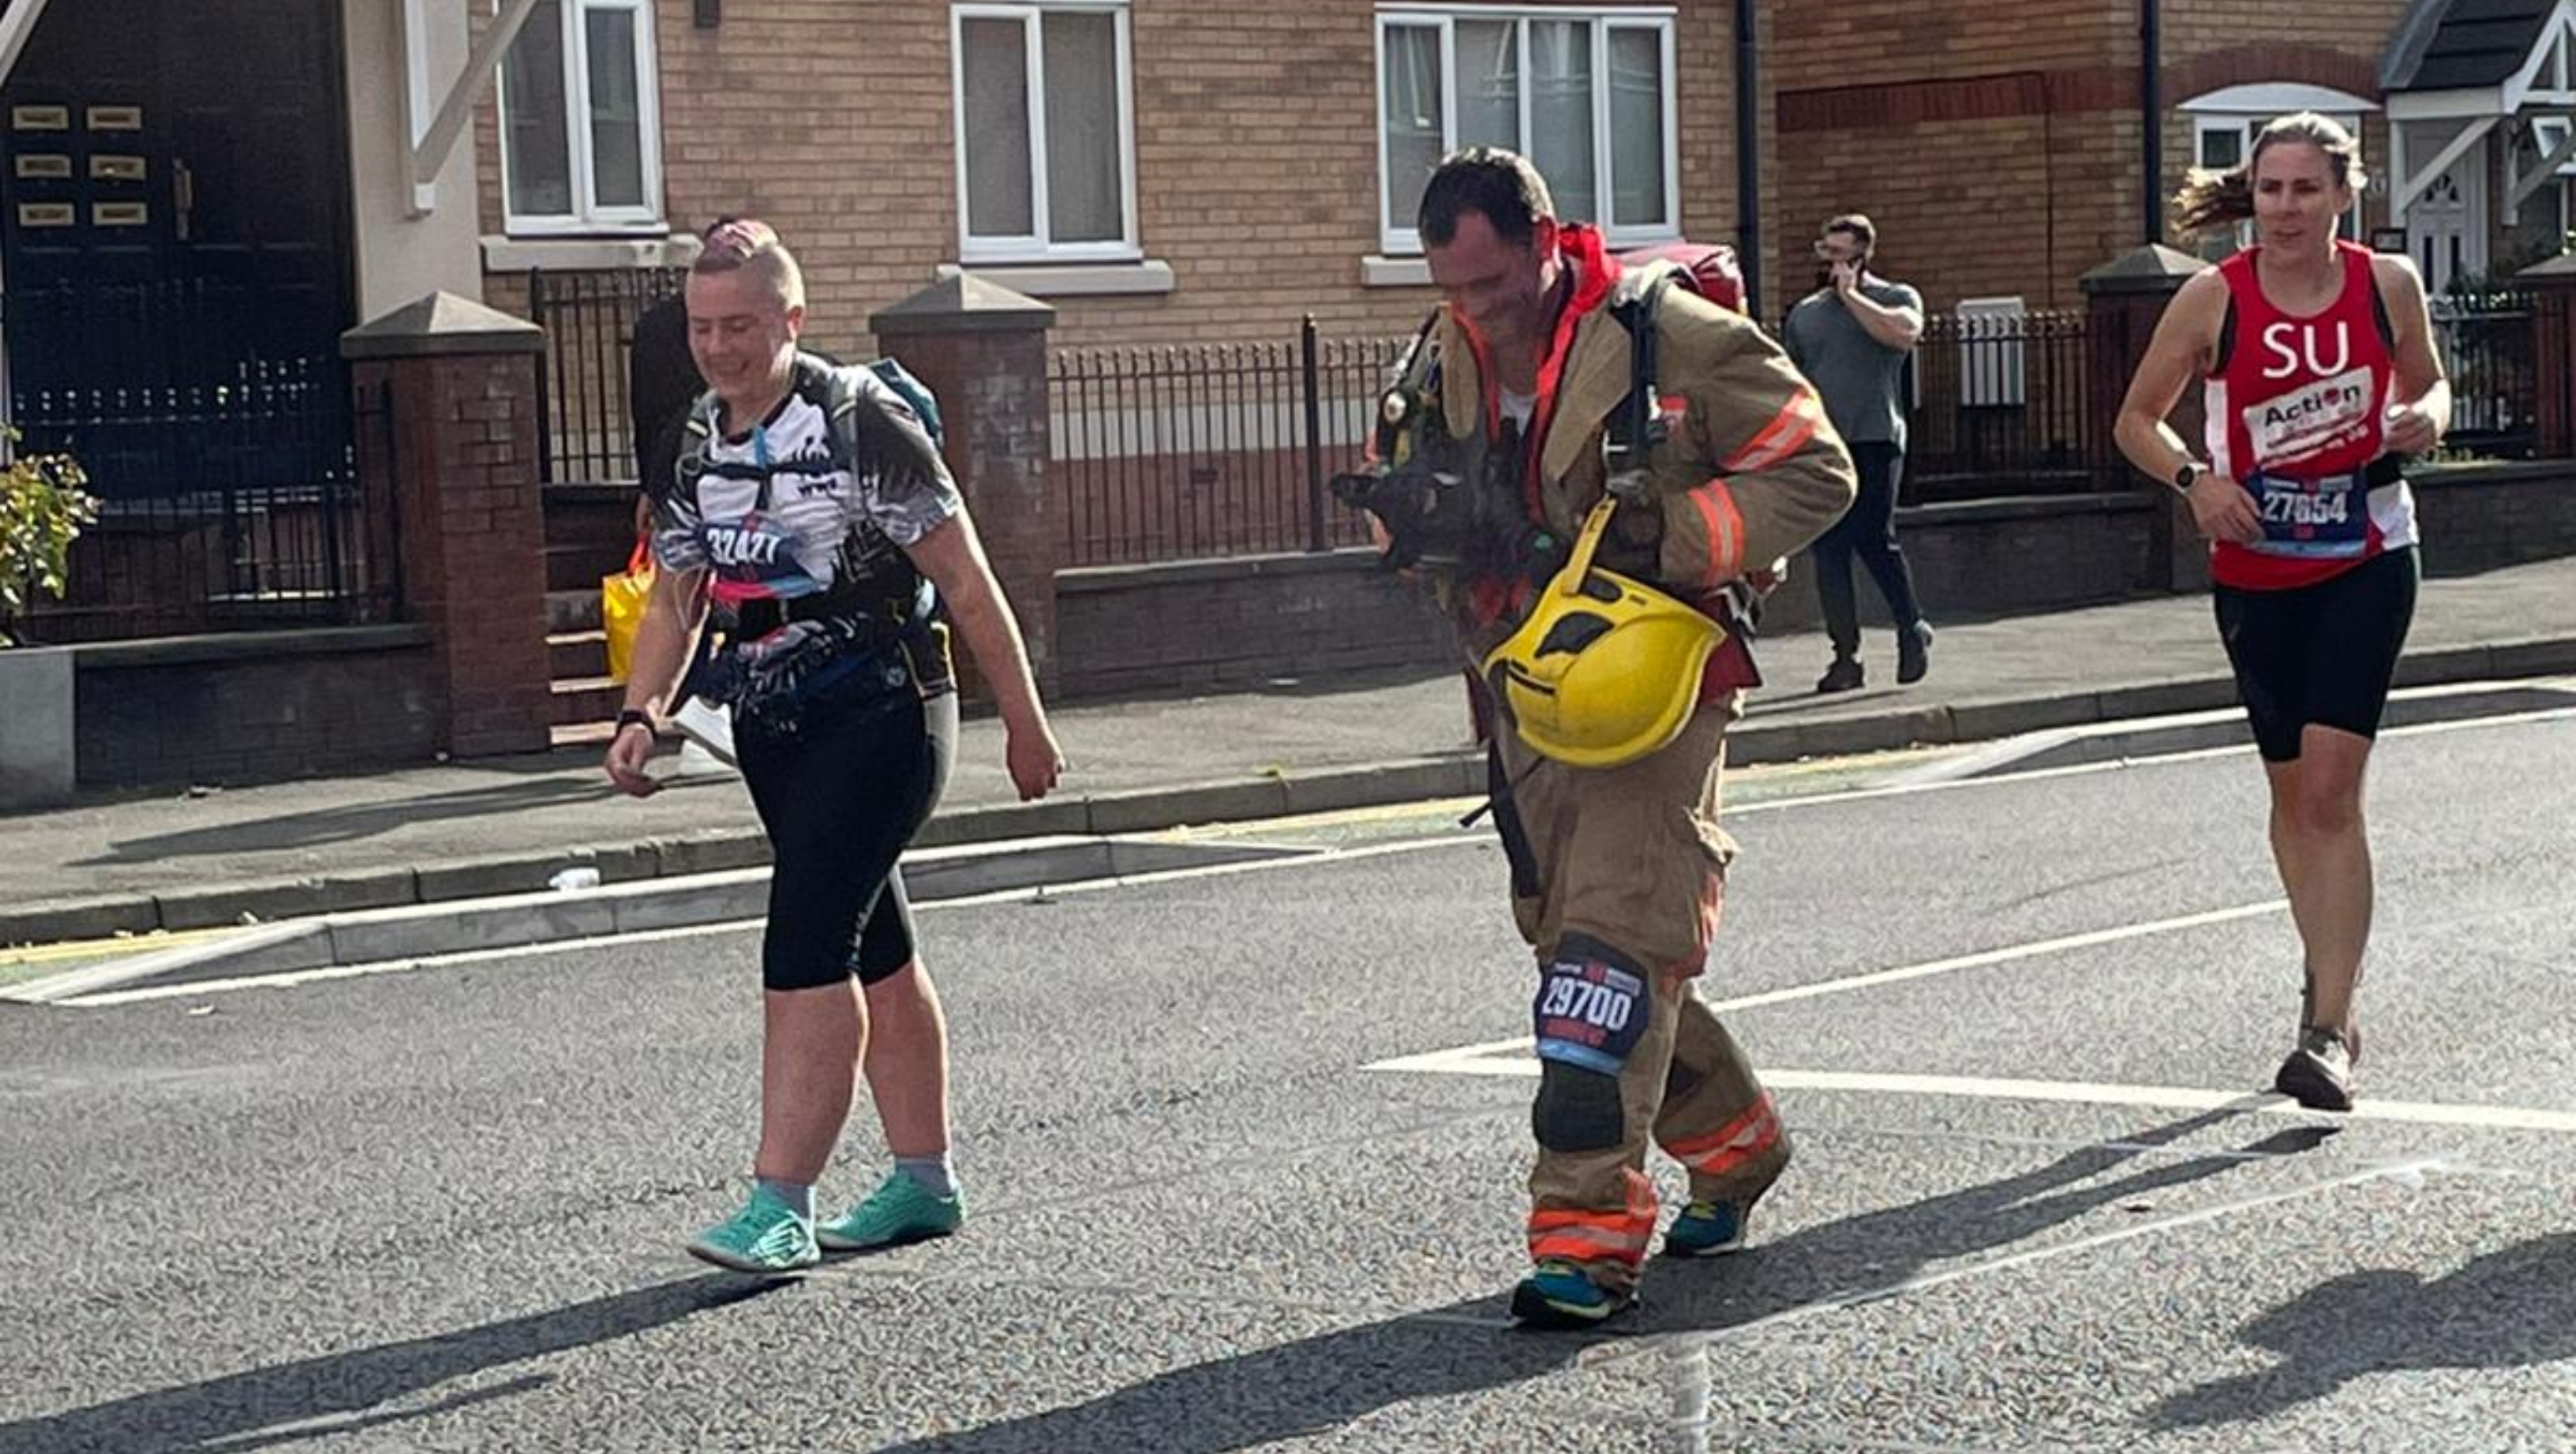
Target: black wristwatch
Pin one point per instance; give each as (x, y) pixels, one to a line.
(631, 717)
(2183, 478)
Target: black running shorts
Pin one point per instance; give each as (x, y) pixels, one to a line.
(2320, 654)
(841, 798)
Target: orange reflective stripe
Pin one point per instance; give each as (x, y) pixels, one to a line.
(1563, 1247)
(1586, 1236)
(1731, 1145)
(1792, 427)
(1725, 523)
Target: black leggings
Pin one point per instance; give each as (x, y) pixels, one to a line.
(2319, 654)
(841, 799)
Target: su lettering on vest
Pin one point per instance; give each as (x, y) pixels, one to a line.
(2276, 343)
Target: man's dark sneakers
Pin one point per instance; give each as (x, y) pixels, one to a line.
(1842, 676)
(1913, 653)
(2318, 1075)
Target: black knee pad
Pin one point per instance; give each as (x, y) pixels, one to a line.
(1577, 1109)
(1681, 1080)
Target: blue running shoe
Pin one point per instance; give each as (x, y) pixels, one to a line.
(1705, 1229)
(1560, 1294)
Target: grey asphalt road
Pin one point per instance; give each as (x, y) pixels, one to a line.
(2035, 1205)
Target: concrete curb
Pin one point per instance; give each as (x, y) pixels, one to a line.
(1456, 774)
(2225, 727)
(415, 931)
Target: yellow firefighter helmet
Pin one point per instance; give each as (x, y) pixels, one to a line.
(1605, 670)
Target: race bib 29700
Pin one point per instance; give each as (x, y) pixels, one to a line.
(1591, 1007)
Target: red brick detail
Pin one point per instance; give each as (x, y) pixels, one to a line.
(472, 532)
(2270, 61)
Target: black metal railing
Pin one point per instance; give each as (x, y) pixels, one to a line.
(2487, 343)
(222, 505)
(2001, 406)
(1216, 449)
(585, 435)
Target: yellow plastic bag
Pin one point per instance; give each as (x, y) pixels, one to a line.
(621, 608)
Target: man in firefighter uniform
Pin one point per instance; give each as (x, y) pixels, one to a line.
(1594, 472)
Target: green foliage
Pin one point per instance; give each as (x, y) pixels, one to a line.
(42, 509)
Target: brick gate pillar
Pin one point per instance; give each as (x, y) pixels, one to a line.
(982, 349)
(2552, 285)
(2123, 301)
(459, 468)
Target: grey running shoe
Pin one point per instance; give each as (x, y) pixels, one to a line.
(2318, 1075)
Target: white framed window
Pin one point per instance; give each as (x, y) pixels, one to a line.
(1586, 94)
(1046, 132)
(581, 133)
(2225, 122)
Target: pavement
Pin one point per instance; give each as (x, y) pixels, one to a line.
(134, 865)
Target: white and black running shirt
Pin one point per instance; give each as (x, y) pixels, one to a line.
(804, 520)
(773, 513)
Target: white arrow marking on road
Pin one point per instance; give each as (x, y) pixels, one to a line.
(1439, 1061)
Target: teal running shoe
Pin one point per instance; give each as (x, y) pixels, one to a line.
(766, 1238)
(1560, 1294)
(1705, 1229)
(899, 1211)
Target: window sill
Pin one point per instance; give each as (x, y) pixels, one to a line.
(1069, 280)
(585, 254)
(1394, 272)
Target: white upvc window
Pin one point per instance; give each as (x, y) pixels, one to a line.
(1046, 132)
(2224, 124)
(1586, 94)
(581, 134)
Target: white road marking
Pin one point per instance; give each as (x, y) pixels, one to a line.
(1441, 1059)
(2150, 759)
(1483, 1060)
(2006, 955)
(288, 978)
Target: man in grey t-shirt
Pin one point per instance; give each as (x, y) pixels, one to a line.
(1851, 338)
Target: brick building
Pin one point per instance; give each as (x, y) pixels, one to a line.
(1200, 171)
(2002, 150)
(1209, 171)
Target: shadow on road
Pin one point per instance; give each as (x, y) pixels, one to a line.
(318, 827)
(2510, 1308)
(245, 1411)
(1326, 1382)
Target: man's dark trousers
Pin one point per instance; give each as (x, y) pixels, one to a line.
(1867, 530)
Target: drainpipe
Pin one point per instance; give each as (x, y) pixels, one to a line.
(1748, 158)
(2151, 112)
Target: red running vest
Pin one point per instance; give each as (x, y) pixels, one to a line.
(2296, 413)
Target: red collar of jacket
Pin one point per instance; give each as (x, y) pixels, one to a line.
(1591, 272)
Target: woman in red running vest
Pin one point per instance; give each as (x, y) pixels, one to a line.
(2318, 373)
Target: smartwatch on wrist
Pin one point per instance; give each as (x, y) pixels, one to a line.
(631, 717)
(2184, 477)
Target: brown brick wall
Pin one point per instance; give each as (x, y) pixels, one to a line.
(1132, 631)
(1998, 147)
(256, 718)
(473, 539)
(1256, 157)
